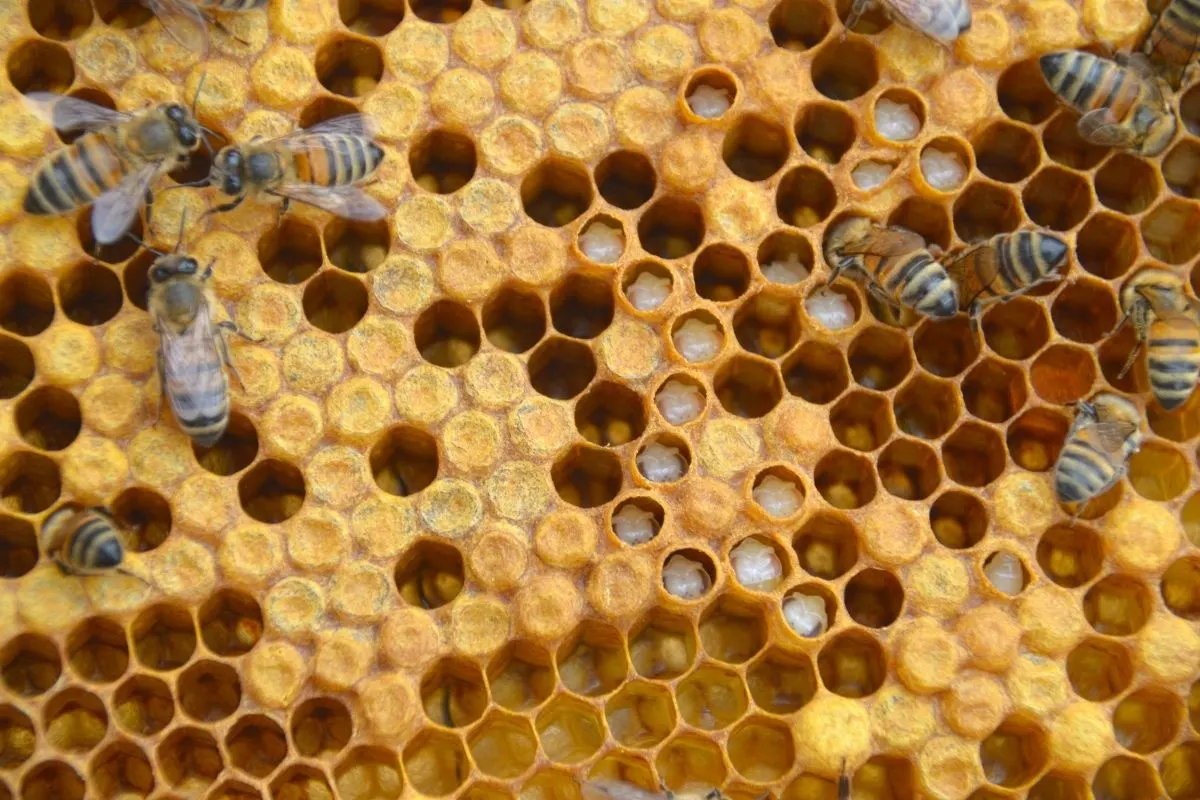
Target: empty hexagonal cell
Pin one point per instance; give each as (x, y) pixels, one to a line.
(234, 451)
(882, 776)
(1125, 778)
(1099, 669)
(721, 273)
(164, 637)
(349, 66)
(1057, 199)
(29, 482)
(556, 192)
(209, 691)
(909, 469)
(142, 705)
(17, 737)
(52, 780)
(323, 109)
(873, 598)
(429, 574)
(26, 303)
(845, 69)
(761, 749)
(592, 660)
(1181, 587)
(570, 731)
(610, 414)
(1023, 93)
(1147, 720)
(300, 780)
(144, 516)
(30, 665)
(983, 209)
(321, 727)
(560, 368)
(626, 179)
(75, 721)
(647, 285)
(97, 650)
(825, 131)
(767, 324)
(1063, 373)
(1180, 770)
(782, 682)
(1064, 144)
(755, 147)
(926, 407)
(1007, 152)
(89, 294)
(587, 476)
(852, 664)
(1175, 426)
(521, 676)
(1126, 184)
(503, 745)
(816, 372)
(1017, 329)
(748, 387)
(672, 227)
(1180, 168)
(1172, 231)
(1056, 786)
(271, 491)
(453, 693)
(404, 460)
(121, 770)
(732, 630)
(663, 646)
(1084, 311)
(845, 480)
(926, 217)
(335, 302)
(514, 319)
(826, 546)
(637, 520)
(880, 358)
(231, 622)
(860, 420)
(369, 773)
(356, 246)
(1191, 519)
(1159, 472)
(290, 253)
(1106, 245)
(40, 66)
(805, 197)
(582, 305)
(711, 698)
(798, 25)
(641, 715)
(1036, 438)
(994, 391)
(621, 765)
(446, 334)
(442, 161)
(1118, 605)
(16, 367)
(256, 745)
(1070, 555)
(1015, 753)
(958, 519)
(973, 455)
(60, 19)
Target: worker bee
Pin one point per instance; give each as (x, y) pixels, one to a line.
(83, 541)
(1173, 40)
(898, 267)
(1005, 266)
(1167, 322)
(1106, 431)
(943, 20)
(1121, 104)
(317, 166)
(113, 165)
(187, 21)
(192, 353)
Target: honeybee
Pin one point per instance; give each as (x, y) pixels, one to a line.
(1005, 266)
(1173, 40)
(83, 541)
(317, 166)
(1167, 322)
(1121, 104)
(186, 21)
(113, 165)
(897, 266)
(943, 20)
(1106, 431)
(192, 353)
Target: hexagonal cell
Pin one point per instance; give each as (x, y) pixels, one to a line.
(959, 520)
(16, 367)
(1112, 354)
(926, 217)
(1006, 152)
(1015, 753)
(647, 285)
(825, 131)
(453, 693)
(1035, 439)
(514, 319)
(446, 334)
(785, 257)
(369, 773)
(231, 790)
(761, 749)
(18, 547)
(688, 574)
(1099, 669)
(926, 407)
(1172, 231)
(665, 458)
(816, 372)
(256, 745)
(587, 476)
(880, 358)
(1064, 144)
(1175, 426)
(1180, 770)
(805, 197)
(144, 516)
(231, 622)
(26, 303)
(440, 11)
(429, 574)
(983, 209)
(748, 387)
(891, 776)
(61, 20)
(1084, 311)
(570, 731)
(873, 598)
(1057, 199)
(143, 706)
(1125, 778)
(620, 765)
(637, 520)
(1023, 93)
(503, 745)
(798, 25)
(767, 324)
(1147, 720)
(75, 721)
(592, 662)
(521, 676)
(1180, 168)
(335, 302)
(1017, 329)
(234, 451)
(1118, 605)
(994, 391)
(852, 664)
(1059, 787)
(321, 727)
(323, 109)
(556, 192)
(404, 460)
(610, 414)
(271, 491)
(626, 179)
(672, 227)
(641, 715)
(356, 246)
(560, 368)
(845, 479)
(732, 630)
(549, 783)
(1126, 184)
(755, 148)
(663, 646)
(348, 66)
(442, 161)
(40, 66)
(779, 492)
(781, 682)
(826, 546)
(17, 738)
(52, 780)
(1191, 519)
(722, 86)
(973, 455)
(371, 17)
(581, 305)
(1159, 472)
(803, 617)
(845, 69)
(860, 420)
(1070, 555)
(1106, 245)
(121, 770)
(29, 482)
(300, 780)
(711, 698)
(89, 294)
(97, 650)
(164, 637)
(721, 273)
(30, 665)
(1181, 588)
(1063, 373)
(209, 691)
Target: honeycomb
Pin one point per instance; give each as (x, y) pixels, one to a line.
(397, 574)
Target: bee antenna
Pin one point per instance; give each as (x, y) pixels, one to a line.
(182, 223)
(196, 96)
(143, 244)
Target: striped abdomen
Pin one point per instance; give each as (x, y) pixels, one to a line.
(194, 379)
(917, 281)
(1175, 37)
(232, 5)
(336, 159)
(1023, 259)
(1088, 82)
(75, 175)
(1173, 360)
(92, 546)
(1083, 470)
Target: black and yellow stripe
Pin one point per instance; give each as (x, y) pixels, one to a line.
(337, 159)
(917, 281)
(1088, 82)
(1083, 470)
(76, 175)
(232, 5)
(1173, 360)
(1175, 38)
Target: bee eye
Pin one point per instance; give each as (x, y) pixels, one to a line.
(159, 274)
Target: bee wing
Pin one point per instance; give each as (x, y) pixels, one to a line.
(187, 359)
(885, 242)
(350, 202)
(183, 22)
(1099, 126)
(114, 211)
(1111, 436)
(349, 124)
(72, 113)
(616, 790)
(973, 270)
(935, 18)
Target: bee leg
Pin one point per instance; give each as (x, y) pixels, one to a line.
(149, 208)
(230, 206)
(858, 8)
(1133, 354)
(226, 357)
(232, 327)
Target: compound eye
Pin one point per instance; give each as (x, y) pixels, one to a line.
(188, 266)
(159, 274)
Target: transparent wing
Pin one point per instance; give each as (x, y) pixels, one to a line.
(885, 242)
(1099, 126)
(183, 22)
(1110, 436)
(71, 113)
(115, 210)
(936, 18)
(616, 790)
(348, 125)
(350, 202)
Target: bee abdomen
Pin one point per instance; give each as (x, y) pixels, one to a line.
(1173, 361)
(73, 176)
(203, 418)
(1082, 472)
(95, 546)
(923, 284)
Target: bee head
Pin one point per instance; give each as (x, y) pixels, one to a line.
(167, 267)
(1158, 129)
(227, 170)
(186, 128)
